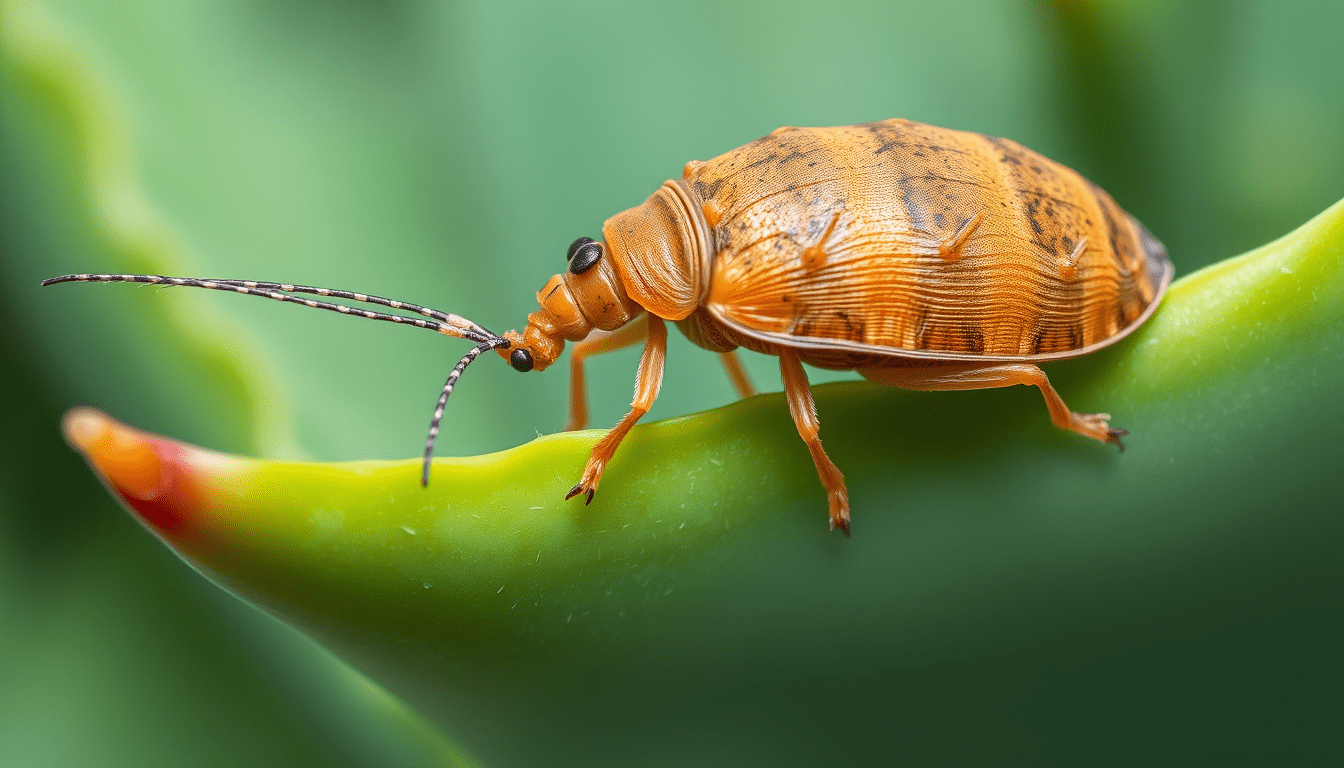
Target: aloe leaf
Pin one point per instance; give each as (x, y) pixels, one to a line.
(698, 608)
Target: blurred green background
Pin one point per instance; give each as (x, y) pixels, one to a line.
(446, 153)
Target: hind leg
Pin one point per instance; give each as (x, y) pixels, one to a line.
(804, 412)
(972, 376)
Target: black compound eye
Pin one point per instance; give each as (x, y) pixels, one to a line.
(574, 247)
(521, 360)
(585, 256)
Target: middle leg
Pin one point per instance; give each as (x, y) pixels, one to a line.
(737, 374)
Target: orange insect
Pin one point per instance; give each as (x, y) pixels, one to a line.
(923, 257)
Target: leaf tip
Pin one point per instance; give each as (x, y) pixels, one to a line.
(152, 475)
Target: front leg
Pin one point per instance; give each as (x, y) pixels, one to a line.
(973, 376)
(647, 383)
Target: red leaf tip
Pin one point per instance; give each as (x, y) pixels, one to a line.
(150, 473)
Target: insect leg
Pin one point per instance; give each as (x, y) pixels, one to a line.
(737, 374)
(597, 343)
(647, 384)
(804, 412)
(971, 376)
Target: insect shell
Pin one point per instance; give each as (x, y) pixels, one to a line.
(922, 257)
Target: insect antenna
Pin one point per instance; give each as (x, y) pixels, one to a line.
(448, 385)
(446, 317)
(440, 322)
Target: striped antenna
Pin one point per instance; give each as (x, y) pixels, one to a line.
(446, 317)
(448, 390)
(442, 322)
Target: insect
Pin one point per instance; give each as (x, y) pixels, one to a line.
(924, 258)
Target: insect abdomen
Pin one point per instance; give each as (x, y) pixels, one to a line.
(898, 237)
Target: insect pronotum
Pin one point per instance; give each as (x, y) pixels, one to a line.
(922, 257)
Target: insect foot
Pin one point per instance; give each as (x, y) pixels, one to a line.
(1097, 427)
(839, 504)
(592, 473)
(577, 489)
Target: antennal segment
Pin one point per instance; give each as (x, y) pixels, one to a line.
(446, 317)
(443, 322)
(448, 390)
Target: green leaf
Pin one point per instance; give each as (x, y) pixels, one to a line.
(1000, 568)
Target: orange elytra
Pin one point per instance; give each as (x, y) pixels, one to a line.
(922, 257)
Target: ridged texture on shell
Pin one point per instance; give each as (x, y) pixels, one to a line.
(661, 248)
(903, 239)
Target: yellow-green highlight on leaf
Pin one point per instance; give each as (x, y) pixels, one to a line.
(699, 608)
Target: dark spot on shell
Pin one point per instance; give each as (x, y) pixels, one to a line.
(887, 136)
(1033, 205)
(854, 329)
(767, 159)
(1007, 152)
(889, 144)
(794, 154)
(1037, 341)
(707, 191)
(972, 339)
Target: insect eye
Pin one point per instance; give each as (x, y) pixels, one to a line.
(575, 246)
(521, 360)
(585, 256)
